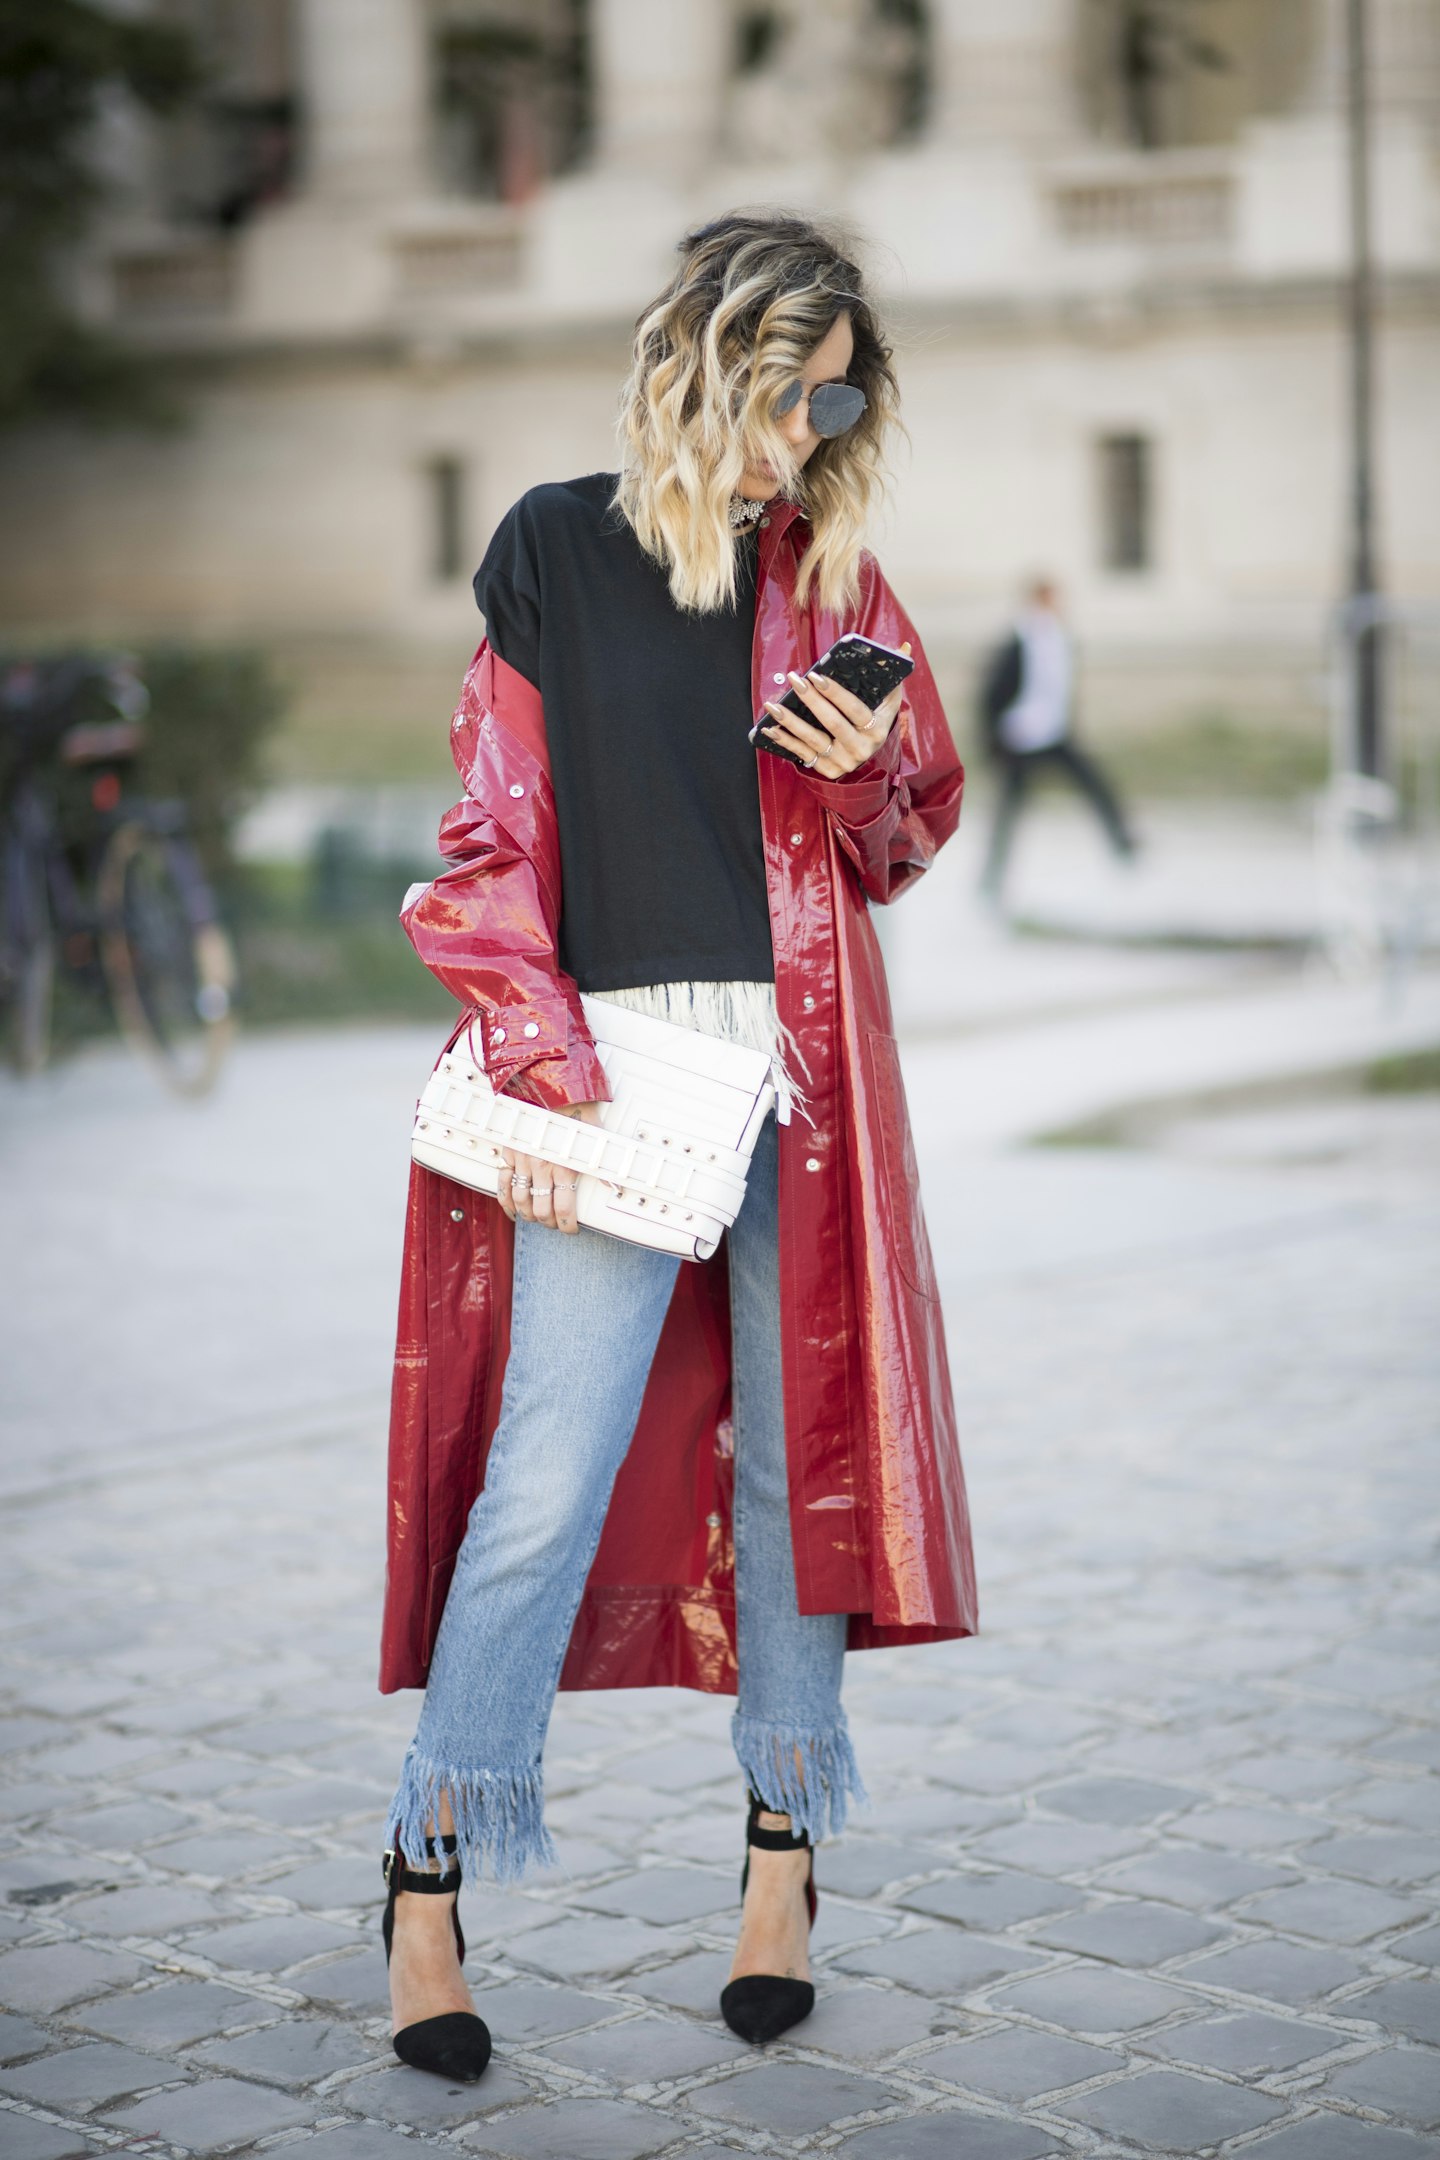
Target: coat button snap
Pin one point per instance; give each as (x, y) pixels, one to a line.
(796, 838)
(517, 789)
(808, 1003)
(777, 678)
(497, 1035)
(531, 1028)
(766, 521)
(457, 1214)
(713, 1521)
(812, 1162)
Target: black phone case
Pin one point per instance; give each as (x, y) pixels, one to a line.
(869, 670)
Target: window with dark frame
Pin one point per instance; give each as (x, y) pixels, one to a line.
(1126, 502)
(446, 478)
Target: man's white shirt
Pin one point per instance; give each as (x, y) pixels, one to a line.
(1040, 715)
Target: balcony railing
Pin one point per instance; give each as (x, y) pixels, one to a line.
(175, 280)
(458, 259)
(1147, 208)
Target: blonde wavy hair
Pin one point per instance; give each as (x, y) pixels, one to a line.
(751, 299)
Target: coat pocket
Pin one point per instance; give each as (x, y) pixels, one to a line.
(900, 1198)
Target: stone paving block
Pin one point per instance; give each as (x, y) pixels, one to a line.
(692, 1983)
(579, 1947)
(26, 2139)
(1252, 1829)
(992, 1767)
(869, 2025)
(292, 2054)
(1053, 1848)
(32, 1879)
(102, 1754)
(219, 1856)
(418, 2101)
(991, 1901)
(860, 1867)
(650, 2050)
(173, 2015)
(1340, 2137)
(272, 1942)
(271, 1736)
(525, 2011)
(1333, 1910)
(1203, 1881)
(1320, 1724)
(562, 2129)
(1295, 1777)
(19, 1733)
(1410, 1803)
(1421, 1748)
(81, 2077)
(33, 1799)
(944, 1960)
(331, 1885)
(1168, 2111)
(200, 1777)
(1132, 1933)
(943, 1817)
(949, 2134)
(1249, 2041)
(663, 1895)
(1092, 1999)
(1280, 1971)
(1046, 1725)
(793, 2099)
(50, 1975)
(19, 2038)
(1018, 2064)
(217, 2112)
(315, 1803)
(1406, 2006)
(683, 1768)
(125, 1826)
(836, 1927)
(1398, 2081)
(1395, 1860)
(1117, 1800)
(1420, 1947)
(156, 1910)
(358, 2141)
(349, 1983)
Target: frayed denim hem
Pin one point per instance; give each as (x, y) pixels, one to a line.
(499, 1816)
(809, 1776)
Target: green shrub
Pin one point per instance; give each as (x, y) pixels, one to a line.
(213, 711)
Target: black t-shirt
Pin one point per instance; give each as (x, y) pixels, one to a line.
(647, 713)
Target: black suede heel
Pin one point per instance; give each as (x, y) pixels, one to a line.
(456, 2044)
(761, 2006)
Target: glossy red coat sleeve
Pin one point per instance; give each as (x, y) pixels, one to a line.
(488, 926)
(893, 813)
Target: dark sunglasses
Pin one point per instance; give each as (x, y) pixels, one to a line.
(834, 406)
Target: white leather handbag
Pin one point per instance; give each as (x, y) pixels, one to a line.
(666, 1165)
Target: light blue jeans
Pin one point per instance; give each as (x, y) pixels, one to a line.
(587, 1315)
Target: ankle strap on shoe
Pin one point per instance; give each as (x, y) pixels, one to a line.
(427, 1882)
(772, 1840)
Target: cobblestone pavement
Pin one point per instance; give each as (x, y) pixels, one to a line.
(1151, 1865)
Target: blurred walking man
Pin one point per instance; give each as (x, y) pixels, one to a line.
(1026, 708)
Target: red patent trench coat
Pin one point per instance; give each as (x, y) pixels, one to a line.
(877, 1496)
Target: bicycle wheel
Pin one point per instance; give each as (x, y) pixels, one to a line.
(168, 964)
(27, 943)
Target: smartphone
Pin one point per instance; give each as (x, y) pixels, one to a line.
(859, 664)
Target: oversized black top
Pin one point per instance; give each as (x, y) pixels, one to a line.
(647, 713)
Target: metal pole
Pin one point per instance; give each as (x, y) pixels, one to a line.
(1367, 746)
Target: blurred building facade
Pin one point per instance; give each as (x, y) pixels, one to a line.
(396, 253)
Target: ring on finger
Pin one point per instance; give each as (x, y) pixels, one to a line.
(564, 1185)
(520, 1182)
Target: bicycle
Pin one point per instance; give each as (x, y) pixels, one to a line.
(102, 885)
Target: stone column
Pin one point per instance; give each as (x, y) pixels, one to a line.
(1006, 72)
(364, 73)
(661, 68)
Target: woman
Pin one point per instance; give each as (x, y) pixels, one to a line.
(719, 1475)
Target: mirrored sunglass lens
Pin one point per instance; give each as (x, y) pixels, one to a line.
(788, 399)
(835, 407)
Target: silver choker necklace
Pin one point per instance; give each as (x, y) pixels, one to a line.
(743, 512)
